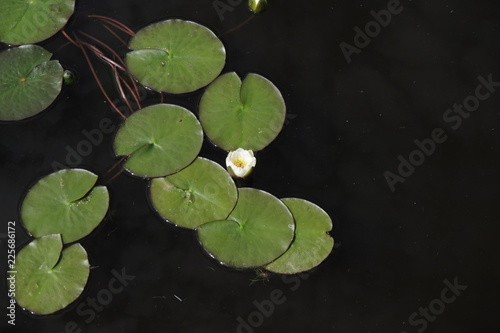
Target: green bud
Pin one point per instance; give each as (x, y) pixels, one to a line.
(69, 77)
(257, 5)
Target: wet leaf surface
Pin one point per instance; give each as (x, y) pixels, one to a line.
(66, 202)
(246, 114)
(258, 230)
(29, 81)
(200, 193)
(49, 278)
(311, 245)
(159, 140)
(175, 56)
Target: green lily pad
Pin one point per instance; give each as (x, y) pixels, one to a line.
(29, 81)
(175, 56)
(258, 230)
(247, 114)
(159, 140)
(311, 245)
(49, 278)
(31, 21)
(65, 202)
(200, 193)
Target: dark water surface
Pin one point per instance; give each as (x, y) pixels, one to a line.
(397, 253)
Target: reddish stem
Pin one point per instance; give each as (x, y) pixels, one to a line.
(112, 178)
(97, 78)
(130, 89)
(135, 91)
(114, 166)
(105, 46)
(116, 24)
(101, 55)
(114, 34)
(120, 89)
(238, 26)
(70, 39)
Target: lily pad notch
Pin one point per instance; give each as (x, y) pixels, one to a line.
(258, 230)
(159, 140)
(246, 114)
(312, 242)
(175, 56)
(59, 209)
(200, 193)
(29, 81)
(50, 277)
(66, 202)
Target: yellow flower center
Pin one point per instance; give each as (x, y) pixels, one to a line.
(240, 163)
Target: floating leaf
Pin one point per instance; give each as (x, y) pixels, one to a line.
(200, 193)
(47, 278)
(247, 114)
(258, 230)
(31, 21)
(159, 140)
(311, 245)
(65, 202)
(29, 82)
(175, 56)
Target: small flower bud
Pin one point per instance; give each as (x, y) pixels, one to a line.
(257, 5)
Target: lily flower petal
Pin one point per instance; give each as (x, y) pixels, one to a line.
(240, 162)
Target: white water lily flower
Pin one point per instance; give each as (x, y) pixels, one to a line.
(240, 162)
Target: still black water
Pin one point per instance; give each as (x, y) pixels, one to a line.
(349, 120)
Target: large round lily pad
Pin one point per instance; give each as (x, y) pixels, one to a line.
(247, 114)
(175, 56)
(200, 193)
(258, 230)
(31, 21)
(65, 202)
(29, 81)
(311, 245)
(48, 278)
(159, 140)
